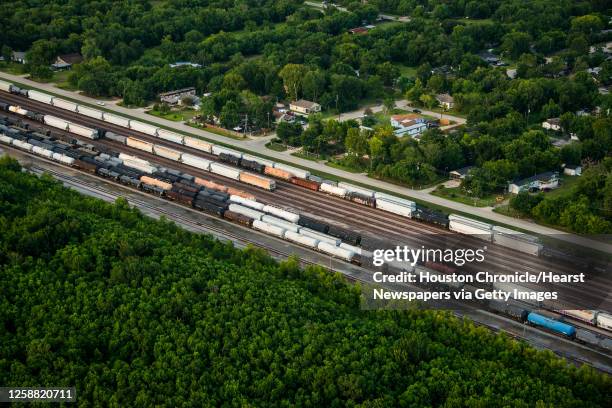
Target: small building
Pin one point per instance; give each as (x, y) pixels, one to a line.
(489, 57)
(542, 181)
(66, 61)
(19, 57)
(408, 124)
(572, 170)
(174, 97)
(553, 124)
(358, 30)
(511, 73)
(304, 107)
(446, 101)
(461, 173)
(185, 64)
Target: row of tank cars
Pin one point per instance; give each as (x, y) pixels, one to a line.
(259, 168)
(196, 192)
(241, 207)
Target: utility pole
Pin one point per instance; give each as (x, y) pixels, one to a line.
(246, 122)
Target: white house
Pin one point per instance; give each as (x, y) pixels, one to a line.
(446, 101)
(304, 107)
(409, 124)
(552, 124)
(542, 181)
(571, 170)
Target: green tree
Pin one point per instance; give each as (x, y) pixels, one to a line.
(293, 77)
(229, 116)
(516, 43)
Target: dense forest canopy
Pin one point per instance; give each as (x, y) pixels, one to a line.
(133, 311)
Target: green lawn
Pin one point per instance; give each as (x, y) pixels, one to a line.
(406, 71)
(566, 183)
(306, 156)
(509, 211)
(340, 166)
(12, 68)
(469, 21)
(384, 118)
(277, 147)
(215, 131)
(456, 194)
(60, 79)
(175, 115)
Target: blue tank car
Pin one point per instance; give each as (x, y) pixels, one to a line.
(552, 325)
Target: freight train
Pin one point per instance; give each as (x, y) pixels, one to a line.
(381, 201)
(524, 314)
(205, 195)
(242, 208)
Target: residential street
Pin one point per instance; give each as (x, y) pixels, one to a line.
(257, 146)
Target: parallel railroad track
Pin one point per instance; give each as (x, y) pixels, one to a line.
(396, 229)
(512, 328)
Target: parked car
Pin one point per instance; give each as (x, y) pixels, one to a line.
(416, 111)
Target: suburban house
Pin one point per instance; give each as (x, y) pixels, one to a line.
(66, 61)
(304, 107)
(358, 30)
(19, 57)
(552, 124)
(174, 97)
(408, 124)
(446, 101)
(542, 181)
(361, 30)
(461, 173)
(571, 170)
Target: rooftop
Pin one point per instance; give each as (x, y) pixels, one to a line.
(73, 58)
(553, 121)
(303, 103)
(463, 170)
(170, 93)
(445, 98)
(538, 177)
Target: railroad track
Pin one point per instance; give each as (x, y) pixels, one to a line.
(512, 328)
(396, 229)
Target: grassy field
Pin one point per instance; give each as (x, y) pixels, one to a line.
(566, 183)
(458, 195)
(60, 79)
(277, 147)
(336, 165)
(215, 131)
(175, 115)
(12, 68)
(306, 156)
(469, 21)
(507, 210)
(409, 72)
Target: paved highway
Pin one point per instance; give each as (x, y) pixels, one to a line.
(257, 147)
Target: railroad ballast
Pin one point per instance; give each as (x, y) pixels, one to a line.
(243, 209)
(382, 201)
